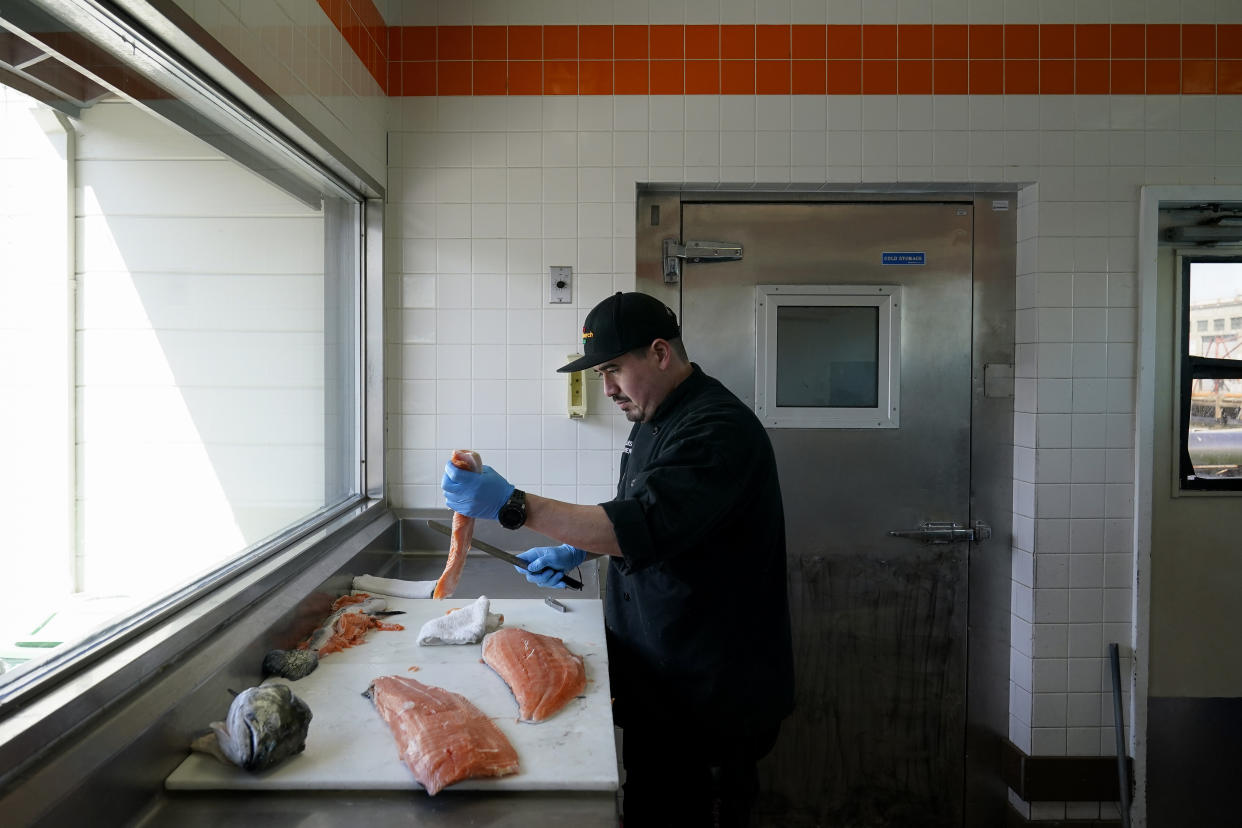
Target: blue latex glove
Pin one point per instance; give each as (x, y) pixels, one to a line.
(546, 565)
(475, 494)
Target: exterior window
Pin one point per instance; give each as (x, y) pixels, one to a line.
(1210, 376)
(1235, 323)
(186, 391)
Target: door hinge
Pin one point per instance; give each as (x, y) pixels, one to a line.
(696, 251)
(945, 532)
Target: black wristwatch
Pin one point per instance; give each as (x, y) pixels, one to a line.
(513, 514)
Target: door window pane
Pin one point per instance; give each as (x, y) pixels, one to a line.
(826, 357)
(1212, 375)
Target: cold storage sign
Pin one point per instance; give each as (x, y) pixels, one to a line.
(908, 258)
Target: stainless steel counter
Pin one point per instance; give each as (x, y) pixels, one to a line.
(112, 772)
(446, 810)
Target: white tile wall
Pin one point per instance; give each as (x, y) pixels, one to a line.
(1074, 382)
(294, 48)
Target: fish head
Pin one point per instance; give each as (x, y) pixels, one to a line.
(265, 725)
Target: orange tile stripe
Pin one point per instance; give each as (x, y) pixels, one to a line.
(364, 29)
(1048, 59)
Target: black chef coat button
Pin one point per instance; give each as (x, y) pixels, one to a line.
(625, 595)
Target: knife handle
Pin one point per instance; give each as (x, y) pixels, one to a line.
(567, 580)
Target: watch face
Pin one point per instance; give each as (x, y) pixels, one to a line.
(512, 514)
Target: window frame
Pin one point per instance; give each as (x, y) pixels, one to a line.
(1189, 368)
(886, 299)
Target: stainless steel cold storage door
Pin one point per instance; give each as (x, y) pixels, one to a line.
(880, 622)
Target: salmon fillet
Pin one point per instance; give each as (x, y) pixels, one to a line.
(540, 670)
(441, 736)
(463, 532)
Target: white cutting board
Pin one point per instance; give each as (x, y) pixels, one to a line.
(349, 747)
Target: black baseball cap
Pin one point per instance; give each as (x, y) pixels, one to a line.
(621, 323)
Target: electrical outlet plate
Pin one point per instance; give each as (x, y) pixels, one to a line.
(560, 284)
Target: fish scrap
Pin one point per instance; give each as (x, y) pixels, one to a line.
(352, 617)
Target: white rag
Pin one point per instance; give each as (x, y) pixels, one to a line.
(467, 625)
(375, 585)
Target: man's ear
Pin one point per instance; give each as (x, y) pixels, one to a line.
(663, 352)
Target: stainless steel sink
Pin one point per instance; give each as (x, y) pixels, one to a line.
(422, 553)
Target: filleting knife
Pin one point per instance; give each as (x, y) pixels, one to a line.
(497, 552)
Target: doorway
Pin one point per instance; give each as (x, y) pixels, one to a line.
(1187, 705)
(872, 338)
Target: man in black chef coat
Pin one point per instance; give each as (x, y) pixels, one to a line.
(699, 645)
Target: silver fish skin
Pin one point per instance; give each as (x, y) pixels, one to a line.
(290, 664)
(265, 725)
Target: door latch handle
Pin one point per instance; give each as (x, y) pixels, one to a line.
(945, 532)
(696, 251)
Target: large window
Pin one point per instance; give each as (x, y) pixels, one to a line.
(1210, 370)
(180, 342)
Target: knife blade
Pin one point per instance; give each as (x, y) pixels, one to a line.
(497, 552)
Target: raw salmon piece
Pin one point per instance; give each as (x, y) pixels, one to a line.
(351, 630)
(352, 616)
(348, 624)
(540, 670)
(463, 532)
(441, 736)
